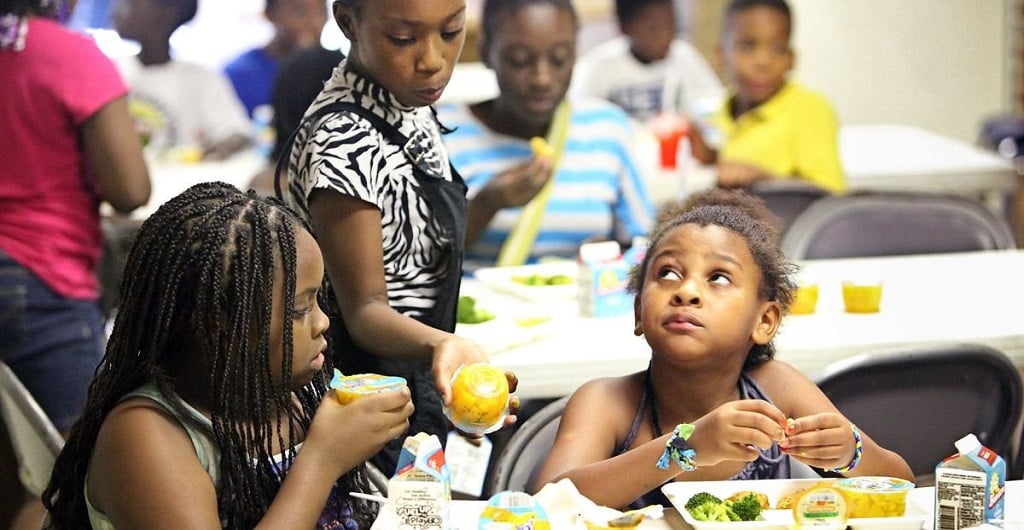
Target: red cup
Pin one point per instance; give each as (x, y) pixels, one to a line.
(669, 130)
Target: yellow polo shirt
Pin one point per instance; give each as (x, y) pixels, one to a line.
(793, 134)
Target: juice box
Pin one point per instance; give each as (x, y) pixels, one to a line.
(421, 490)
(969, 487)
(604, 280)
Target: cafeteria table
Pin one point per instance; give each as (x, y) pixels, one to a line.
(962, 297)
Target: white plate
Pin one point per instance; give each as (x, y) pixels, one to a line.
(680, 492)
(503, 279)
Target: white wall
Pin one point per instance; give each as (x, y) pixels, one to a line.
(936, 64)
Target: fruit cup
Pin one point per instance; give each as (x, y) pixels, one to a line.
(347, 388)
(479, 399)
(862, 297)
(805, 301)
(875, 496)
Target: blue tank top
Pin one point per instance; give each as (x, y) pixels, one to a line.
(771, 463)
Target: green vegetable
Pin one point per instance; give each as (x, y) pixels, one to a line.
(704, 506)
(469, 313)
(748, 508)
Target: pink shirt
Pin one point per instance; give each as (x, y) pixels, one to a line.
(49, 202)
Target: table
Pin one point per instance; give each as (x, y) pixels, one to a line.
(169, 178)
(964, 297)
(878, 157)
(466, 513)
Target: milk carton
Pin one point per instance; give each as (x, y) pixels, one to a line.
(969, 487)
(420, 492)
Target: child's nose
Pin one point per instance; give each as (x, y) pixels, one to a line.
(432, 59)
(688, 293)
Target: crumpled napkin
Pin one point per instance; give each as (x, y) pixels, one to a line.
(568, 509)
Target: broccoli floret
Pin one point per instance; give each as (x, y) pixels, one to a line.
(747, 508)
(711, 512)
(702, 498)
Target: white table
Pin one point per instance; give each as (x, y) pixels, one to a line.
(169, 178)
(465, 514)
(881, 157)
(966, 297)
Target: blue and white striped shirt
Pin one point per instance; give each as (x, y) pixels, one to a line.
(598, 194)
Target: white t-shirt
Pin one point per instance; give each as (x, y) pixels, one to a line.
(182, 104)
(682, 83)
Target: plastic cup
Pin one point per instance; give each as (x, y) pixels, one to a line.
(669, 130)
(348, 388)
(862, 297)
(806, 300)
(479, 399)
(875, 496)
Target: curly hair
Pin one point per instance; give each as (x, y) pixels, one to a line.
(196, 281)
(745, 215)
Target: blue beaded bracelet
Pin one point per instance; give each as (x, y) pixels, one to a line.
(678, 450)
(858, 452)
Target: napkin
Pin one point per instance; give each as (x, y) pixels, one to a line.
(568, 509)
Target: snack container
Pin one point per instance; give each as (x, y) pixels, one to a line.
(513, 510)
(421, 490)
(784, 492)
(349, 387)
(479, 399)
(969, 487)
(603, 280)
(875, 496)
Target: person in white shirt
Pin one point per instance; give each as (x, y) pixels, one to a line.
(176, 104)
(649, 70)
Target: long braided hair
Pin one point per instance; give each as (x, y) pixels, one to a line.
(196, 280)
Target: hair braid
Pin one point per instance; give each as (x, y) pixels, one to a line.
(196, 283)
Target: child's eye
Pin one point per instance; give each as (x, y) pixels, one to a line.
(720, 279)
(401, 41)
(451, 34)
(666, 273)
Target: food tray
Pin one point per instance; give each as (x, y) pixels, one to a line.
(680, 492)
(502, 279)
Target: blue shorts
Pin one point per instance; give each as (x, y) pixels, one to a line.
(52, 344)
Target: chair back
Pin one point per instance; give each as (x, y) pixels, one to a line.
(518, 463)
(919, 400)
(35, 440)
(787, 198)
(888, 224)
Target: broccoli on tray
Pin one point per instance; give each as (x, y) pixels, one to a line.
(706, 507)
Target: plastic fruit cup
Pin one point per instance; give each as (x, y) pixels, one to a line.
(349, 387)
(806, 300)
(875, 496)
(862, 297)
(479, 399)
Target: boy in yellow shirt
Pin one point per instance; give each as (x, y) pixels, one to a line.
(771, 127)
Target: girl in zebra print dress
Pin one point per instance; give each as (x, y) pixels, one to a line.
(368, 169)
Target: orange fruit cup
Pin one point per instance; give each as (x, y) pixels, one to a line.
(806, 300)
(875, 496)
(479, 399)
(347, 388)
(862, 297)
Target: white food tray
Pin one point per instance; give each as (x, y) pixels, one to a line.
(680, 492)
(502, 279)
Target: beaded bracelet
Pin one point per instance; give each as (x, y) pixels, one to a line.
(678, 450)
(858, 452)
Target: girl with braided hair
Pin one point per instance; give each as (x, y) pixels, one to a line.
(208, 409)
(66, 144)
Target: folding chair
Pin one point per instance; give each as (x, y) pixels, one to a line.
(35, 440)
(518, 463)
(919, 400)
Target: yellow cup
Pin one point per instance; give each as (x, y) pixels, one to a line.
(862, 297)
(805, 301)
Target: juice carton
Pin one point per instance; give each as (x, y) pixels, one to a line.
(603, 280)
(969, 487)
(421, 490)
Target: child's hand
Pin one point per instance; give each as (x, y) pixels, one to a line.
(738, 175)
(517, 185)
(449, 355)
(736, 431)
(822, 440)
(347, 435)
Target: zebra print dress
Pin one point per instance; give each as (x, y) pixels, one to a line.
(345, 153)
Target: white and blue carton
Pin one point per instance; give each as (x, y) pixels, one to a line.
(970, 487)
(420, 492)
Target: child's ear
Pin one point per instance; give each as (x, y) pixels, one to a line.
(767, 324)
(638, 326)
(344, 17)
